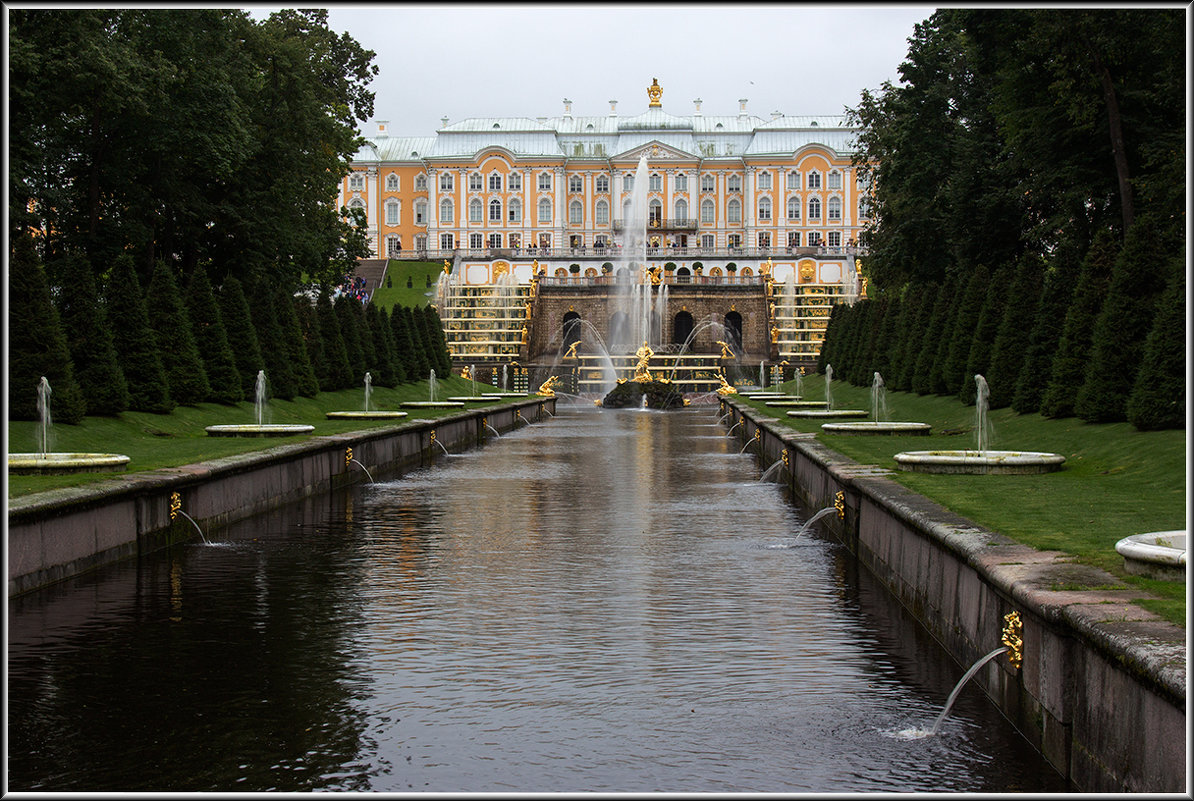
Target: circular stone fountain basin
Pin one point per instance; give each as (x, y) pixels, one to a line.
(365, 415)
(431, 404)
(980, 462)
(503, 394)
(47, 464)
(474, 398)
(795, 403)
(264, 430)
(765, 395)
(1156, 554)
(872, 428)
(827, 413)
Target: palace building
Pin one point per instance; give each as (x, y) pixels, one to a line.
(725, 196)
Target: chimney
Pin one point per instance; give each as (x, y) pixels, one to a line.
(444, 121)
(775, 115)
(742, 107)
(697, 103)
(381, 127)
(613, 108)
(567, 107)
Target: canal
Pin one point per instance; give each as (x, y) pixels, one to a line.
(609, 601)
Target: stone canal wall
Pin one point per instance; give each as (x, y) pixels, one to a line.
(1101, 691)
(61, 533)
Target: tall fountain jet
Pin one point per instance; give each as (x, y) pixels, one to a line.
(641, 308)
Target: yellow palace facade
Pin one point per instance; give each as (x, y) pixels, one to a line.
(720, 187)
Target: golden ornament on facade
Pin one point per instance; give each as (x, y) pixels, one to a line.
(1012, 628)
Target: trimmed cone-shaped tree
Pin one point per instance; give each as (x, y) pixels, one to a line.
(1073, 349)
(833, 334)
(399, 365)
(437, 341)
(89, 339)
(1056, 290)
(383, 354)
(961, 336)
(979, 359)
(924, 299)
(211, 338)
(410, 319)
(1011, 339)
(304, 313)
(1117, 345)
(350, 330)
(37, 345)
(305, 382)
(927, 380)
(185, 375)
(279, 371)
(334, 372)
(242, 336)
(136, 345)
(1158, 399)
(404, 343)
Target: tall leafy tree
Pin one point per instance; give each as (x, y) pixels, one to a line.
(90, 339)
(186, 377)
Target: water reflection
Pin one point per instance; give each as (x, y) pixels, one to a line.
(588, 604)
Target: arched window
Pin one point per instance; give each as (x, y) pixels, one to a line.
(793, 208)
(545, 210)
(475, 210)
(446, 182)
(655, 211)
(392, 183)
(814, 208)
(833, 209)
(628, 182)
(707, 183)
(734, 211)
(576, 213)
(681, 182)
(495, 182)
(681, 212)
(834, 180)
(495, 210)
(764, 181)
(545, 182)
(814, 180)
(602, 213)
(601, 184)
(393, 211)
(474, 182)
(734, 184)
(445, 211)
(420, 183)
(356, 203)
(655, 183)
(764, 209)
(420, 212)
(515, 210)
(707, 211)
(575, 184)
(514, 181)
(793, 180)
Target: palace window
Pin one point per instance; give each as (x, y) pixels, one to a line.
(446, 242)
(814, 238)
(834, 180)
(734, 184)
(655, 211)
(707, 183)
(814, 208)
(575, 184)
(420, 183)
(475, 210)
(421, 242)
(421, 212)
(515, 240)
(495, 210)
(734, 212)
(576, 214)
(476, 241)
(707, 241)
(628, 182)
(474, 182)
(495, 182)
(707, 215)
(515, 210)
(602, 184)
(682, 182)
(393, 211)
(602, 213)
(446, 182)
(764, 181)
(681, 212)
(764, 239)
(864, 208)
(445, 211)
(793, 208)
(545, 182)
(793, 239)
(393, 245)
(833, 209)
(764, 209)
(356, 203)
(356, 181)
(814, 180)
(793, 180)
(392, 184)
(835, 239)
(544, 210)
(734, 240)
(495, 241)
(514, 182)
(655, 182)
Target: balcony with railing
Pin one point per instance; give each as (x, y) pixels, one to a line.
(660, 224)
(615, 251)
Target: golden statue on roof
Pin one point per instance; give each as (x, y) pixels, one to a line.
(654, 91)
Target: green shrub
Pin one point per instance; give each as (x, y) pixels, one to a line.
(242, 336)
(185, 376)
(278, 370)
(1158, 399)
(136, 345)
(1056, 292)
(294, 344)
(212, 340)
(335, 371)
(961, 333)
(1011, 339)
(350, 330)
(89, 339)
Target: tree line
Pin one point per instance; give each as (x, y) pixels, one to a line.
(1028, 195)
(111, 347)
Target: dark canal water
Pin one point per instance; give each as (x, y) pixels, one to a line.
(608, 601)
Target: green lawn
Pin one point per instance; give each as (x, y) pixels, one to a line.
(169, 440)
(1116, 480)
(418, 273)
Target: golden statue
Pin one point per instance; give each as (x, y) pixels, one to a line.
(725, 388)
(644, 354)
(726, 353)
(548, 387)
(465, 373)
(765, 267)
(654, 91)
(447, 266)
(524, 334)
(774, 334)
(655, 276)
(571, 354)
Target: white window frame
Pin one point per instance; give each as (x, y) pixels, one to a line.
(495, 210)
(655, 182)
(514, 182)
(814, 179)
(447, 210)
(764, 209)
(814, 208)
(576, 213)
(734, 184)
(420, 212)
(601, 184)
(495, 240)
(793, 239)
(734, 211)
(708, 241)
(545, 210)
(447, 241)
(793, 181)
(680, 211)
(495, 181)
(476, 241)
(356, 181)
(476, 210)
(393, 212)
(708, 211)
(446, 181)
(545, 182)
(764, 181)
(576, 184)
(475, 184)
(602, 213)
(834, 239)
(833, 209)
(514, 210)
(628, 182)
(681, 181)
(393, 183)
(421, 182)
(708, 183)
(834, 180)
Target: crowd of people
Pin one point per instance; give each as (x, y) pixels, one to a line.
(354, 288)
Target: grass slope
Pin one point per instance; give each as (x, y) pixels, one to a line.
(419, 273)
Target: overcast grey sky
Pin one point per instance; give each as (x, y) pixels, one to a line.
(465, 60)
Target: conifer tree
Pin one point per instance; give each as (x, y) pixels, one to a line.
(278, 369)
(970, 308)
(383, 363)
(1117, 344)
(399, 365)
(938, 356)
(1010, 343)
(437, 340)
(1158, 399)
(212, 340)
(404, 344)
(308, 321)
(924, 301)
(295, 346)
(185, 377)
(848, 337)
(336, 371)
(241, 335)
(878, 359)
(833, 335)
(932, 341)
(978, 360)
(1056, 291)
(418, 346)
(89, 339)
(37, 345)
(136, 345)
(350, 330)
(1073, 349)
(368, 348)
